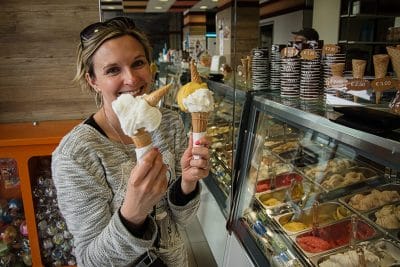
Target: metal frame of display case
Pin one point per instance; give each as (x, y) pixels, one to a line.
(381, 150)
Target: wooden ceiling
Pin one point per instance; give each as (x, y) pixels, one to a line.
(157, 6)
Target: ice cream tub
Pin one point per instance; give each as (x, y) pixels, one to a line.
(387, 217)
(334, 236)
(379, 252)
(278, 197)
(350, 177)
(328, 213)
(280, 180)
(372, 198)
(318, 172)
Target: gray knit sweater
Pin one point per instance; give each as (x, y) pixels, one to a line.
(90, 173)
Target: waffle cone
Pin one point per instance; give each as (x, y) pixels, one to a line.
(381, 62)
(394, 54)
(199, 121)
(358, 68)
(142, 138)
(154, 97)
(337, 69)
(194, 74)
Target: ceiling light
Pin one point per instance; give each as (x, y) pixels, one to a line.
(163, 0)
(214, 0)
(203, 7)
(158, 7)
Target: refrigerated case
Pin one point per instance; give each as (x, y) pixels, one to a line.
(309, 187)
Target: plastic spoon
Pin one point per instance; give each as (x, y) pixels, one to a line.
(315, 219)
(353, 236)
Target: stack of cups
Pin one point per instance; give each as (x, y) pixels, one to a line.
(260, 68)
(275, 66)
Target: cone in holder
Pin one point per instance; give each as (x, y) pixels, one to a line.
(381, 63)
(358, 68)
(394, 53)
(337, 69)
(199, 121)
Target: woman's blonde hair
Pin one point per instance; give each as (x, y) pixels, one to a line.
(101, 32)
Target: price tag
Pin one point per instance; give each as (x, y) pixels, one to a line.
(289, 52)
(383, 84)
(358, 84)
(330, 49)
(308, 54)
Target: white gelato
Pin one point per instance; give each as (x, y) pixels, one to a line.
(200, 100)
(135, 113)
(350, 259)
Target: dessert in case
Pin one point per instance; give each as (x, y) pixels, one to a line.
(374, 199)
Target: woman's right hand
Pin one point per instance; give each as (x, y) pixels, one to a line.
(146, 186)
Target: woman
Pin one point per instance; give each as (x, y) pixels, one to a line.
(115, 209)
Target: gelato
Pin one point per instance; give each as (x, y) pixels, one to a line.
(388, 217)
(338, 180)
(350, 259)
(272, 202)
(373, 200)
(200, 100)
(283, 179)
(295, 226)
(333, 236)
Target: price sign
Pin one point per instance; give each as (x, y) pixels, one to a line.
(358, 84)
(330, 49)
(382, 84)
(289, 52)
(308, 54)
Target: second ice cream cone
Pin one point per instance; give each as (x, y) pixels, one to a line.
(154, 97)
(394, 54)
(194, 74)
(199, 121)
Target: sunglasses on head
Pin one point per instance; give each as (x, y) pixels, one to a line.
(90, 30)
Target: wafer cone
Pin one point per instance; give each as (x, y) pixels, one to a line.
(358, 68)
(154, 97)
(337, 69)
(194, 74)
(381, 62)
(142, 138)
(394, 53)
(199, 121)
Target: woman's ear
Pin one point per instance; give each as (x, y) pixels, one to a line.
(91, 81)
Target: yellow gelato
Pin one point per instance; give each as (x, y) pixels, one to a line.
(271, 202)
(295, 226)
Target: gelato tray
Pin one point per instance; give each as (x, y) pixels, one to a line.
(381, 252)
(370, 199)
(387, 217)
(333, 236)
(328, 213)
(280, 180)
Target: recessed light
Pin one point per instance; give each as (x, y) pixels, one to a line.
(203, 7)
(158, 7)
(214, 0)
(163, 0)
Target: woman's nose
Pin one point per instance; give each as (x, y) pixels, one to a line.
(130, 77)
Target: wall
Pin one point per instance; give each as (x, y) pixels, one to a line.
(284, 25)
(326, 20)
(37, 59)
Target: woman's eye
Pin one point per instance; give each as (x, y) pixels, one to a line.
(113, 70)
(138, 63)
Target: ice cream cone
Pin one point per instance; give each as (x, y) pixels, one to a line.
(142, 138)
(358, 68)
(337, 69)
(381, 62)
(154, 97)
(194, 74)
(199, 121)
(394, 54)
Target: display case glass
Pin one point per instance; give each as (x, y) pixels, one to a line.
(310, 188)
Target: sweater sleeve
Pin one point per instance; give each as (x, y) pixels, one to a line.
(84, 197)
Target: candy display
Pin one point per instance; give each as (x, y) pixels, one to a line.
(56, 241)
(333, 236)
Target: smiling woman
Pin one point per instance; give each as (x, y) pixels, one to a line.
(120, 211)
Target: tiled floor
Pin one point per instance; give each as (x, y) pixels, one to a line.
(199, 252)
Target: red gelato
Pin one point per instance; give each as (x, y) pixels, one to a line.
(283, 179)
(333, 236)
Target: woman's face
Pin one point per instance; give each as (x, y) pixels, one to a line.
(120, 66)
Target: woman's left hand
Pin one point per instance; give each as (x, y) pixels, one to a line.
(195, 169)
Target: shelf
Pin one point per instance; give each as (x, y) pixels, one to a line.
(367, 16)
(368, 43)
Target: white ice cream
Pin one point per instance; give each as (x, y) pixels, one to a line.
(350, 259)
(201, 100)
(135, 113)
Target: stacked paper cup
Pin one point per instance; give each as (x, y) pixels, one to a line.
(260, 68)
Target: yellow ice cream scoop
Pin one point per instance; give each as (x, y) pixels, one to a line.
(295, 226)
(189, 88)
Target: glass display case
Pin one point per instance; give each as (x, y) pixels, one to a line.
(311, 191)
(223, 130)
